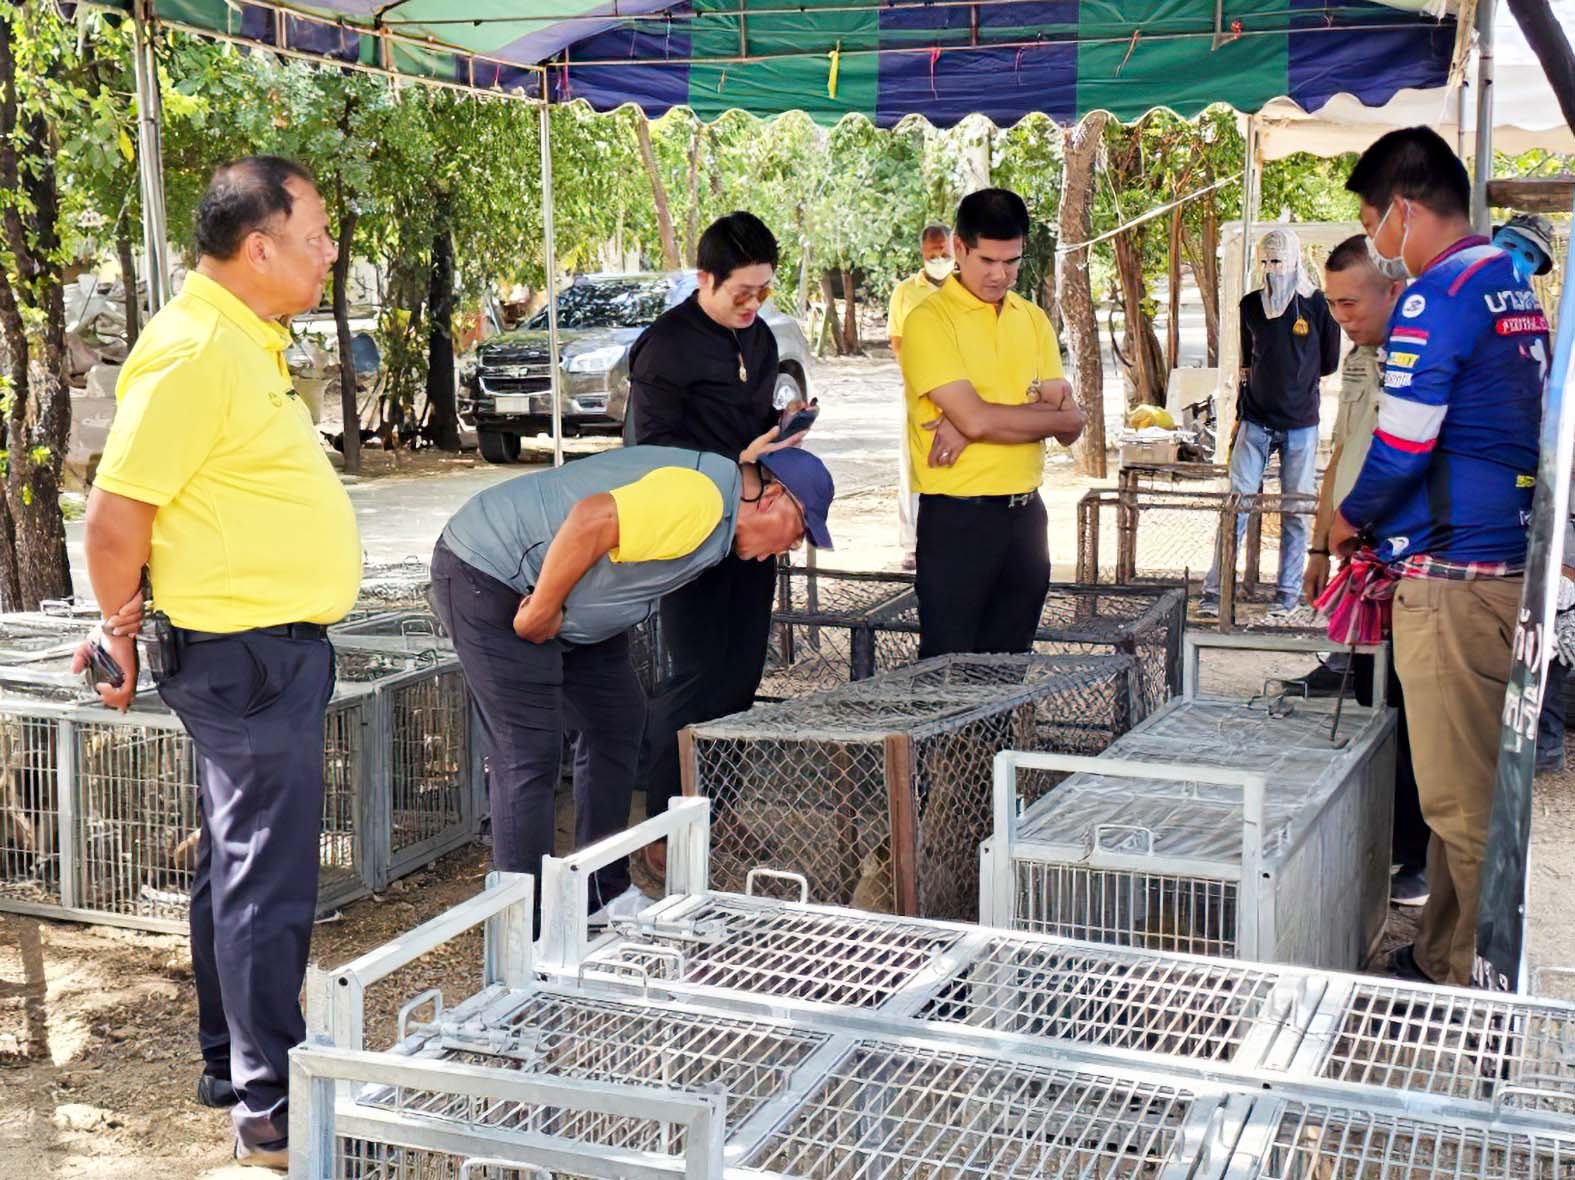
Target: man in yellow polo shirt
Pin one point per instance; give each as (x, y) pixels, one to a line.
(935, 249)
(213, 479)
(982, 372)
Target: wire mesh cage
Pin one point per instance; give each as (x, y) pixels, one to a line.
(877, 792)
(1481, 1046)
(1248, 584)
(1299, 1139)
(98, 810)
(823, 629)
(389, 585)
(1231, 828)
(922, 1111)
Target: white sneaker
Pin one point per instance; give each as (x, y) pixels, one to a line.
(627, 906)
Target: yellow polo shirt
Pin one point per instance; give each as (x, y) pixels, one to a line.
(253, 527)
(958, 337)
(906, 296)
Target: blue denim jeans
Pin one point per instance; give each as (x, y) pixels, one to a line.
(1298, 469)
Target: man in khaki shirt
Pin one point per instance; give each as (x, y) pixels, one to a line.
(1361, 301)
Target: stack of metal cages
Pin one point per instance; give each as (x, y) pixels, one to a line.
(1255, 828)
(98, 809)
(878, 792)
(686, 1042)
(1150, 531)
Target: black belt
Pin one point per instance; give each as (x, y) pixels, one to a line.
(1016, 500)
(282, 631)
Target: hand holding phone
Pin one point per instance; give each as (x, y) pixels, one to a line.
(799, 422)
(102, 668)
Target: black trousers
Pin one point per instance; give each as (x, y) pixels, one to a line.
(526, 695)
(254, 705)
(1411, 832)
(715, 629)
(983, 572)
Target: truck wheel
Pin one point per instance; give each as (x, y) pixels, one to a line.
(498, 446)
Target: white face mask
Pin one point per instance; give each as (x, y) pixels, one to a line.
(938, 268)
(1390, 268)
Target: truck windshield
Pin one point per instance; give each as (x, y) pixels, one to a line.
(617, 303)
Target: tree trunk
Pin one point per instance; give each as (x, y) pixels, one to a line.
(830, 322)
(444, 426)
(664, 215)
(128, 278)
(1075, 296)
(38, 417)
(850, 316)
(1144, 357)
(1206, 273)
(348, 401)
(692, 213)
(1173, 307)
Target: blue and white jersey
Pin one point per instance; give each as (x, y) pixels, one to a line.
(1454, 457)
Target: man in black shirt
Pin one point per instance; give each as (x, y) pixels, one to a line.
(702, 377)
(1288, 341)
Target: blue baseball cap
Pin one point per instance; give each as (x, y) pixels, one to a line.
(809, 483)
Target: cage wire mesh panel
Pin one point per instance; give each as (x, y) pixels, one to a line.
(878, 792)
(913, 1110)
(1145, 623)
(823, 629)
(1153, 537)
(1158, 863)
(386, 585)
(601, 1039)
(30, 827)
(429, 761)
(1471, 1045)
(1314, 1141)
(1250, 568)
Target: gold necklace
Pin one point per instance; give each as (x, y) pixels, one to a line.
(743, 373)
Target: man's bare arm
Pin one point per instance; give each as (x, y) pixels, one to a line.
(117, 541)
(588, 534)
(980, 421)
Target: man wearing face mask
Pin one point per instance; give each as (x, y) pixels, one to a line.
(1444, 496)
(702, 377)
(1288, 342)
(935, 248)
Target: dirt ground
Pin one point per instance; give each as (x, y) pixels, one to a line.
(98, 1053)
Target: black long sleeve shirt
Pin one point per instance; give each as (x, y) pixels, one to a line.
(684, 386)
(1284, 365)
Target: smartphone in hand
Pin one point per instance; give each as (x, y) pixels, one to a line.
(102, 667)
(800, 421)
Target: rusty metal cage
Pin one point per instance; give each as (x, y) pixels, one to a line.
(878, 793)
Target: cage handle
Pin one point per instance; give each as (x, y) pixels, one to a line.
(656, 950)
(433, 995)
(484, 1161)
(612, 967)
(1132, 830)
(778, 875)
(1561, 1094)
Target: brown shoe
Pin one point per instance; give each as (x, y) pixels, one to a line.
(277, 1158)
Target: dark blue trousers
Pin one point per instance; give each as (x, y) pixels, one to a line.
(527, 696)
(254, 707)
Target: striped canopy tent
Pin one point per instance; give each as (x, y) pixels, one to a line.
(883, 59)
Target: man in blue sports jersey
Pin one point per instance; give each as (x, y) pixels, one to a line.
(1445, 495)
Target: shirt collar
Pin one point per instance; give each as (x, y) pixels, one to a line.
(1464, 243)
(266, 334)
(968, 301)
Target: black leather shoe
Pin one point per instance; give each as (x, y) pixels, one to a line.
(216, 1092)
(1402, 965)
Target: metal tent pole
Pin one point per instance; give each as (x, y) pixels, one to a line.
(150, 158)
(550, 243)
(1481, 215)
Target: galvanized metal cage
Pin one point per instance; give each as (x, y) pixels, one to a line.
(876, 792)
(98, 810)
(1221, 827)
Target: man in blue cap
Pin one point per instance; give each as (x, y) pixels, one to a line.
(538, 581)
